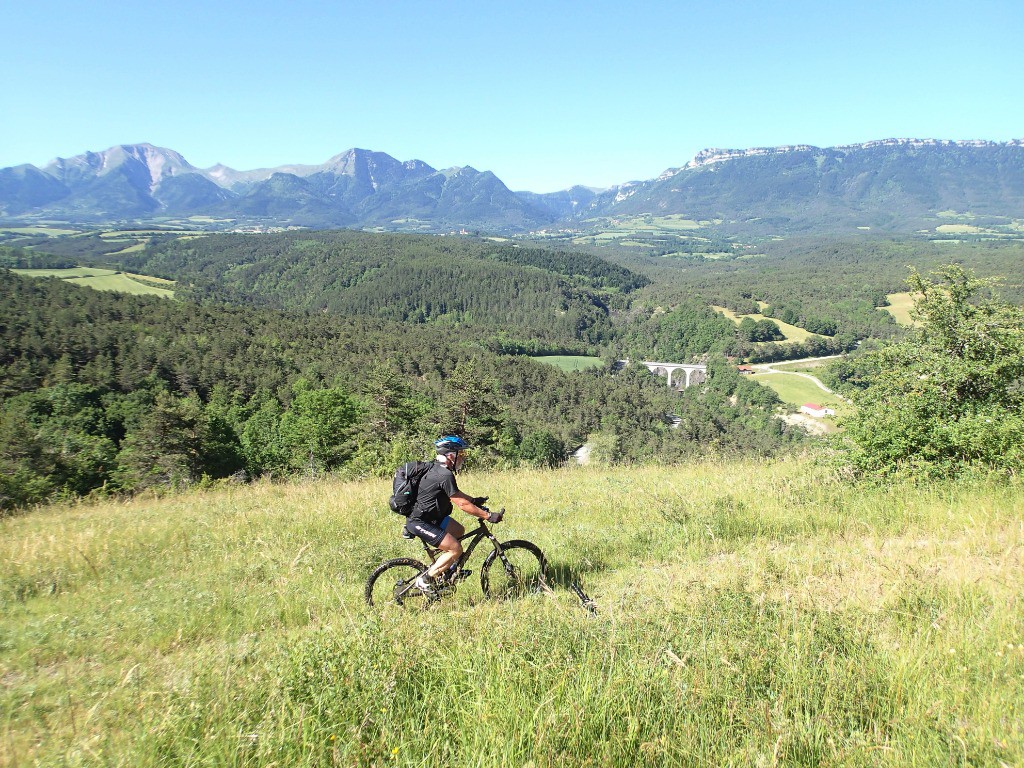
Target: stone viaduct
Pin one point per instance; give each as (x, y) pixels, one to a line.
(694, 373)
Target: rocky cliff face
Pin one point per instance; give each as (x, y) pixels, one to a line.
(892, 184)
(709, 156)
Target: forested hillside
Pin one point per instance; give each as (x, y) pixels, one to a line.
(832, 288)
(535, 296)
(118, 392)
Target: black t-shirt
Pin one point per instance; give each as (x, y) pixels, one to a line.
(433, 502)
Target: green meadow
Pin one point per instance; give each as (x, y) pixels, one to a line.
(791, 332)
(797, 390)
(40, 230)
(750, 613)
(811, 365)
(570, 362)
(899, 307)
(106, 280)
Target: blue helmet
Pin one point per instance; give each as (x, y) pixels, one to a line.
(450, 444)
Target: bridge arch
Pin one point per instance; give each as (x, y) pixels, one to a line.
(691, 373)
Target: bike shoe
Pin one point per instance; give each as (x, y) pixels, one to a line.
(426, 585)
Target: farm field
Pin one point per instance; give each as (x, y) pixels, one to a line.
(39, 230)
(749, 613)
(571, 362)
(105, 280)
(633, 224)
(673, 236)
(791, 332)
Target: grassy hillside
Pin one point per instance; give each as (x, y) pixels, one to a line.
(797, 390)
(791, 333)
(570, 362)
(749, 614)
(899, 307)
(106, 280)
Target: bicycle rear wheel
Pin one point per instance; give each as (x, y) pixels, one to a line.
(392, 584)
(520, 570)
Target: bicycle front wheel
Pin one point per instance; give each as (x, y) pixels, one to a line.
(520, 569)
(392, 584)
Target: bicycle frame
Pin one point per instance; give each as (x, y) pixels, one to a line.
(477, 534)
(456, 573)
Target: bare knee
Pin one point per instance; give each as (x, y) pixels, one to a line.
(451, 545)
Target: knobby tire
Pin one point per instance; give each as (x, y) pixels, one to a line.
(392, 581)
(529, 571)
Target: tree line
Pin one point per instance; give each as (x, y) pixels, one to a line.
(946, 399)
(105, 392)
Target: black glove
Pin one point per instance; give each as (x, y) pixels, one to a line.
(479, 500)
(495, 517)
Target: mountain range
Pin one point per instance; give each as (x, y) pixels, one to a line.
(891, 185)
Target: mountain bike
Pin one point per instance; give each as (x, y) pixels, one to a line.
(511, 569)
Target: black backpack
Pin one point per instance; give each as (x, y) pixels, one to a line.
(406, 484)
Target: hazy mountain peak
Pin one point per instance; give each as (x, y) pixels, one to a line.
(459, 170)
(159, 163)
(888, 184)
(716, 155)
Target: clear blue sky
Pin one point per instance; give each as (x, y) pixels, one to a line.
(544, 94)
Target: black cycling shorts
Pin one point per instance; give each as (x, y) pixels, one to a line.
(430, 533)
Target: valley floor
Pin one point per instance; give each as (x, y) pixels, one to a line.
(749, 613)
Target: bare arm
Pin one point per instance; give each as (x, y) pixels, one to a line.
(465, 503)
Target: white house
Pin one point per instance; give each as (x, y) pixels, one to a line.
(813, 409)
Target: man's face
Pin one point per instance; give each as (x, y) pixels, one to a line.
(460, 459)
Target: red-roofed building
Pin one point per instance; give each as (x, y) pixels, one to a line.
(813, 409)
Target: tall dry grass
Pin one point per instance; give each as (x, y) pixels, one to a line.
(750, 613)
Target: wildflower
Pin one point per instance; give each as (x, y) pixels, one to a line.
(952, 651)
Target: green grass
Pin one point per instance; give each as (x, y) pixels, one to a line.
(41, 230)
(802, 366)
(959, 229)
(669, 223)
(135, 247)
(65, 274)
(791, 332)
(899, 307)
(105, 280)
(749, 614)
(797, 390)
(570, 362)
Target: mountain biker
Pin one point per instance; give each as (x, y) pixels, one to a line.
(430, 518)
